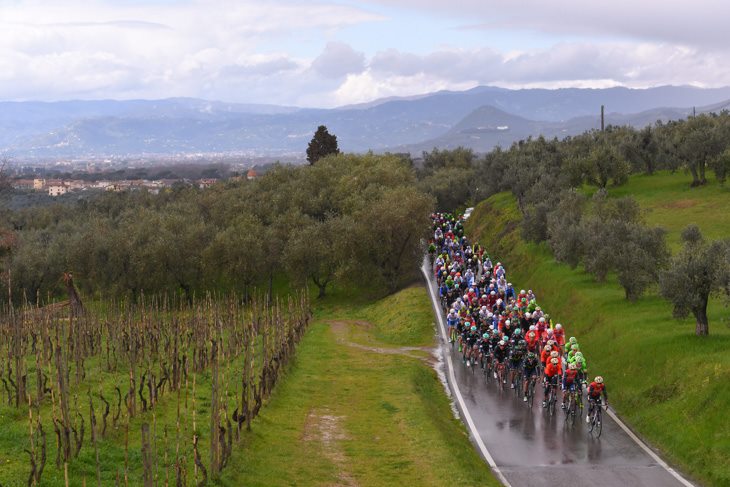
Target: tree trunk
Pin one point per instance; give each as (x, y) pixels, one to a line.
(695, 176)
(322, 286)
(701, 167)
(702, 327)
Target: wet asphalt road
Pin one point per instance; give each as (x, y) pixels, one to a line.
(531, 448)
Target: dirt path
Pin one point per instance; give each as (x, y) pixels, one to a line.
(341, 331)
(326, 429)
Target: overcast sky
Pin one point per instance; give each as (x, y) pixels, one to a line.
(328, 53)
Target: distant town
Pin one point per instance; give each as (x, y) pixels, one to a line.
(59, 187)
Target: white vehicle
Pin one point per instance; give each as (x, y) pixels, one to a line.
(467, 213)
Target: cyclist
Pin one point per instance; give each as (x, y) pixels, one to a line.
(452, 319)
(529, 370)
(552, 373)
(595, 390)
(545, 355)
(559, 334)
(570, 380)
(470, 344)
(500, 355)
(571, 341)
(515, 362)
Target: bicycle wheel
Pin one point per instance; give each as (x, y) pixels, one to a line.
(531, 393)
(572, 409)
(551, 401)
(599, 422)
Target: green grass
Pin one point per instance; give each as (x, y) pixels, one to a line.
(670, 202)
(669, 385)
(394, 425)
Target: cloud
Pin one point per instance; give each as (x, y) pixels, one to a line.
(266, 67)
(337, 60)
(696, 23)
(101, 48)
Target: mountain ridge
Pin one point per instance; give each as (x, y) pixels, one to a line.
(189, 125)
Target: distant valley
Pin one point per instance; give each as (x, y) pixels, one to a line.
(481, 119)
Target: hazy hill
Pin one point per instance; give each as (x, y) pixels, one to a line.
(183, 125)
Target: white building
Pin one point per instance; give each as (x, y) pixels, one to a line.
(57, 189)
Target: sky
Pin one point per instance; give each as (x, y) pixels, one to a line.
(326, 53)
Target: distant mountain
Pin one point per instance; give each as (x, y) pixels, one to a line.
(475, 118)
(488, 127)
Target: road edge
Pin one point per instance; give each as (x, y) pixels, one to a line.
(451, 378)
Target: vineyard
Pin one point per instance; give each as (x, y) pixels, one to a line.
(153, 392)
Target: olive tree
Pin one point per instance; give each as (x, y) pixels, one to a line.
(698, 271)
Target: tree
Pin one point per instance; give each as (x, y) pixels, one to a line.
(322, 144)
(607, 164)
(721, 166)
(317, 252)
(698, 271)
(565, 236)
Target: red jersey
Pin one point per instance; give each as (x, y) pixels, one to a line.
(570, 375)
(559, 337)
(595, 390)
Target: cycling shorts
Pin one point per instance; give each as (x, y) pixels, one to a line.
(515, 365)
(530, 372)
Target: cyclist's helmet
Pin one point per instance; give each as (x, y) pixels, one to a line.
(502, 343)
(473, 328)
(558, 326)
(532, 328)
(573, 340)
(522, 291)
(522, 344)
(531, 355)
(549, 331)
(551, 342)
(485, 336)
(574, 347)
(578, 355)
(518, 331)
(548, 348)
(554, 354)
(452, 310)
(542, 319)
(572, 366)
(599, 380)
(554, 361)
(531, 334)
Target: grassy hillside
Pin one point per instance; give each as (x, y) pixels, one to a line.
(669, 385)
(361, 406)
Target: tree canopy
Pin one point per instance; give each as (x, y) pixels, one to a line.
(322, 144)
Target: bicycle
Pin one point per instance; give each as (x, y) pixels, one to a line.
(531, 391)
(517, 381)
(595, 416)
(552, 398)
(571, 410)
(487, 365)
(500, 375)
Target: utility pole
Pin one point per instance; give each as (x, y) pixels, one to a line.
(694, 112)
(602, 119)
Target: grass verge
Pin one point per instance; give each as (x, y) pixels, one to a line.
(350, 415)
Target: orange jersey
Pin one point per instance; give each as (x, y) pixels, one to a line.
(551, 370)
(544, 356)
